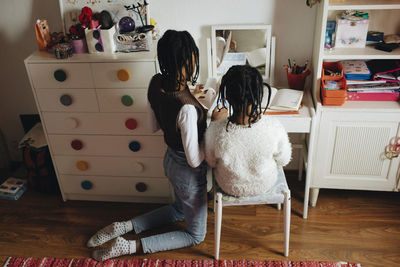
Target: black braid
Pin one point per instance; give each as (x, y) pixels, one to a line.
(177, 50)
(242, 87)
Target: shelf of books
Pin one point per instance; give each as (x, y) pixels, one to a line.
(366, 53)
(363, 4)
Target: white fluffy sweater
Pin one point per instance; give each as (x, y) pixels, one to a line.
(245, 159)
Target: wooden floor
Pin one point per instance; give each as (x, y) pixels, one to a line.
(353, 226)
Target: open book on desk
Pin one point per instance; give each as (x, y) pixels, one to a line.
(283, 101)
(208, 93)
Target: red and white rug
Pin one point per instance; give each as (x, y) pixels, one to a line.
(86, 262)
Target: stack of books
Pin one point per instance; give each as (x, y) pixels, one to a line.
(367, 90)
(361, 88)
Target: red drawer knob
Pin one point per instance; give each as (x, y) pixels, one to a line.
(77, 144)
(131, 124)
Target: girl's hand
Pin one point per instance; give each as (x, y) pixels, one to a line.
(219, 113)
(197, 92)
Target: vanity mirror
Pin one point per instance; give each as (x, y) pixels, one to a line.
(240, 45)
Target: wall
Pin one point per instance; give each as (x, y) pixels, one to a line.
(292, 20)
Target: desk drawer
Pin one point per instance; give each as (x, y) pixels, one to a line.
(112, 166)
(97, 123)
(122, 100)
(71, 75)
(129, 146)
(123, 74)
(128, 186)
(77, 100)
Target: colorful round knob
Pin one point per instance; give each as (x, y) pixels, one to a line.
(71, 123)
(66, 100)
(60, 75)
(141, 187)
(77, 144)
(138, 167)
(127, 100)
(131, 124)
(87, 185)
(82, 165)
(134, 146)
(123, 75)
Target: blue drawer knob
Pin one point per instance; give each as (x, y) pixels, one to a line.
(87, 185)
(134, 146)
(60, 75)
(66, 100)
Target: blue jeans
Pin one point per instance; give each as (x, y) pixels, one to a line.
(190, 186)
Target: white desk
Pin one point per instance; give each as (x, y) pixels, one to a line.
(303, 123)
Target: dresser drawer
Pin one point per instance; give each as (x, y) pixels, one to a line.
(71, 75)
(122, 100)
(112, 166)
(123, 74)
(67, 100)
(103, 185)
(129, 146)
(97, 123)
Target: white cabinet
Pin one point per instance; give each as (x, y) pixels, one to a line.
(350, 139)
(93, 111)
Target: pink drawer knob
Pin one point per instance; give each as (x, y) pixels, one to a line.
(131, 124)
(77, 144)
(71, 123)
(138, 167)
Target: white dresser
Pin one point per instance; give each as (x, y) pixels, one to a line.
(93, 111)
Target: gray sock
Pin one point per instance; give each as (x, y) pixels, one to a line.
(110, 232)
(119, 247)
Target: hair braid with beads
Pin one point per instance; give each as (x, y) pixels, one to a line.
(177, 51)
(242, 87)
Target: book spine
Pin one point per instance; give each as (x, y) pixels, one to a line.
(360, 96)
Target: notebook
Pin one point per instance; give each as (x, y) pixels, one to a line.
(283, 99)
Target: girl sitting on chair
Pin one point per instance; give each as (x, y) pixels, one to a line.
(242, 145)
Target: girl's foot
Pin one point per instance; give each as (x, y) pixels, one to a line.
(119, 247)
(110, 232)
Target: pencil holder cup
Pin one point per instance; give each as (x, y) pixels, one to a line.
(79, 46)
(297, 81)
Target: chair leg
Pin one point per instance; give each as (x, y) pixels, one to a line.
(217, 223)
(286, 221)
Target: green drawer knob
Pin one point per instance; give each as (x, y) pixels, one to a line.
(127, 100)
(60, 75)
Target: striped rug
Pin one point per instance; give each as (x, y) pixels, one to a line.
(55, 262)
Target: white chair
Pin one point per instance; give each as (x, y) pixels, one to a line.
(279, 194)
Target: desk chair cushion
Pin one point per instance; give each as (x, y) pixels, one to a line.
(273, 196)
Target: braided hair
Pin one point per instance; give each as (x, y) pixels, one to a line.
(177, 51)
(242, 87)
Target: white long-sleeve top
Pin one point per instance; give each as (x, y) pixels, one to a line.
(245, 159)
(187, 123)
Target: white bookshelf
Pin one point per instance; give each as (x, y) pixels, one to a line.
(340, 159)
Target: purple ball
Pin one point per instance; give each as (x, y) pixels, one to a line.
(126, 24)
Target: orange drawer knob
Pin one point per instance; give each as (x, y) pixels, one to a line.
(123, 75)
(82, 165)
(77, 144)
(60, 75)
(131, 124)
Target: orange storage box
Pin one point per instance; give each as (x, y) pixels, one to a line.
(332, 71)
(333, 92)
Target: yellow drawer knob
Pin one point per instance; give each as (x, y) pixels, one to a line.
(123, 75)
(82, 165)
